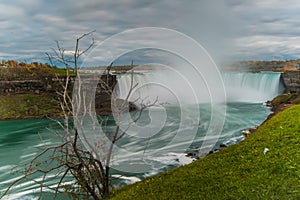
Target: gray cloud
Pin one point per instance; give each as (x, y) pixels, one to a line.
(227, 29)
(268, 29)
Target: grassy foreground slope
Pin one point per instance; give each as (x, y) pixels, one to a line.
(241, 171)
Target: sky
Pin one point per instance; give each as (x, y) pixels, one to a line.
(227, 29)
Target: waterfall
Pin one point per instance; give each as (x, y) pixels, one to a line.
(164, 85)
(252, 87)
(239, 86)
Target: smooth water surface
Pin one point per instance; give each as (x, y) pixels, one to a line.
(21, 140)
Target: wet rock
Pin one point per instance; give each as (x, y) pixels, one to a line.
(107, 107)
(248, 132)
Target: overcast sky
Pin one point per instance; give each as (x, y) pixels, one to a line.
(229, 29)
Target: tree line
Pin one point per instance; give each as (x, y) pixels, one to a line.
(13, 70)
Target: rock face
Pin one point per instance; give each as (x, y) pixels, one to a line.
(38, 86)
(52, 85)
(105, 104)
(98, 91)
(291, 80)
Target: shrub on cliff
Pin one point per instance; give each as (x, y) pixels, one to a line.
(23, 71)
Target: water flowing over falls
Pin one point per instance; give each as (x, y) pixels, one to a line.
(161, 148)
(239, 86)
(252, 87)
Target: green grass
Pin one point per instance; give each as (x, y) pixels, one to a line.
(61, 71)
(241, 171)
(28, 106)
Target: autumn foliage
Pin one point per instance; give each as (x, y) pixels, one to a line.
(12, 70)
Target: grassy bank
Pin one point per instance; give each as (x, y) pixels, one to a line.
(241, 171)
(28, 106)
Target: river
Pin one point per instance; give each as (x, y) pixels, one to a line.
(21, 140)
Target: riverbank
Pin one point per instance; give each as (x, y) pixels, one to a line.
(264, 166)
(28, 106)
(39, 98)
(37, 106)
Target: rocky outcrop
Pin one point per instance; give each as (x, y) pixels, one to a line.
(36, 86)
(98, 91)
(291, 80)
(21, 87)
(53, 85)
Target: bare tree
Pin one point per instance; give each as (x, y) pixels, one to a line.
(78, 52)
(58, 53)
(86, 163)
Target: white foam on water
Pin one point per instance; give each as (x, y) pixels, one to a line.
(6, 168)
(43, 144)
(27, 155)
(20, 196)
(127, 179)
